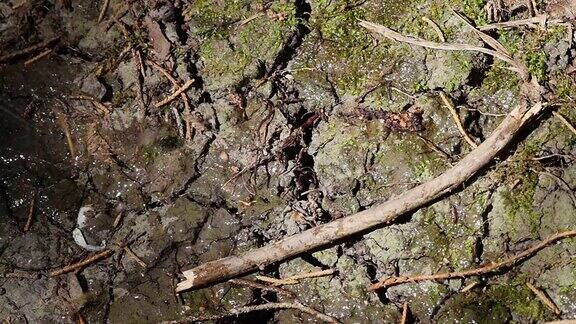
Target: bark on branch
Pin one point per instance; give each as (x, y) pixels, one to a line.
(219, 270)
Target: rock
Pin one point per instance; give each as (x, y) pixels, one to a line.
(93, 87)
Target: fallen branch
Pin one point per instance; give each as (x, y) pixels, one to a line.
(385, 213)
(486, 269)
(268, 306)
(326, 234)
(456, 118)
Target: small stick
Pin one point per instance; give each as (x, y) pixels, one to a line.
(544, 298)
(118, 219)
(175, 94)
(564, 121)
(38, 57)
(28, 50)
(256, 285)
(436, 28)
(276, 282)
(30, 213)
(404, 317)
(456, 118)
(103, 10)
(135, 257)
(469, 287)
(63, 122)
(268, 306)
(100, 106)
(292, 280)
(486, 269)
(78, 265)
(314, 274)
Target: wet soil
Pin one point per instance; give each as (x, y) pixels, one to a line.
(297, 117)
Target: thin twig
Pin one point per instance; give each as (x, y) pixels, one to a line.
(404, 318)
(456, 118)
(564, 121)
(544, 298)
(28, 50)
(38, 57)
(103, 10)
(79, 265)
(486, 269)
(135, 257)
(63, 122)
(389, 33)
(175, 94)
(275, 281)
(435, 27)
(31, 211)
(469, 287)
(99, 106)
(254, 308)
(541, 20)
(118, 219)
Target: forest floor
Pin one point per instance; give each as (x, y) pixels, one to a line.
(288, 115)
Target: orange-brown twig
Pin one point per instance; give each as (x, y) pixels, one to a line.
(79, 265)
(404, 317)
(173, 96)
(486, 269)
(38, 57)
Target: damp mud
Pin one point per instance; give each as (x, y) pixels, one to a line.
(294, 116)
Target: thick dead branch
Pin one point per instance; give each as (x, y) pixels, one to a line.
(326, 234)
(486, 269)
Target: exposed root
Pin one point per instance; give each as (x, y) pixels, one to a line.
(404, 318)
(486, 269)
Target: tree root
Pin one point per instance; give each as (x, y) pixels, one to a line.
(488, 268)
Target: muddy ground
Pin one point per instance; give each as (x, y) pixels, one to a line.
(291, 120)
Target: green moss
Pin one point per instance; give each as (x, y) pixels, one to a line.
(536, 63)
(150, 153)
(519, 299)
